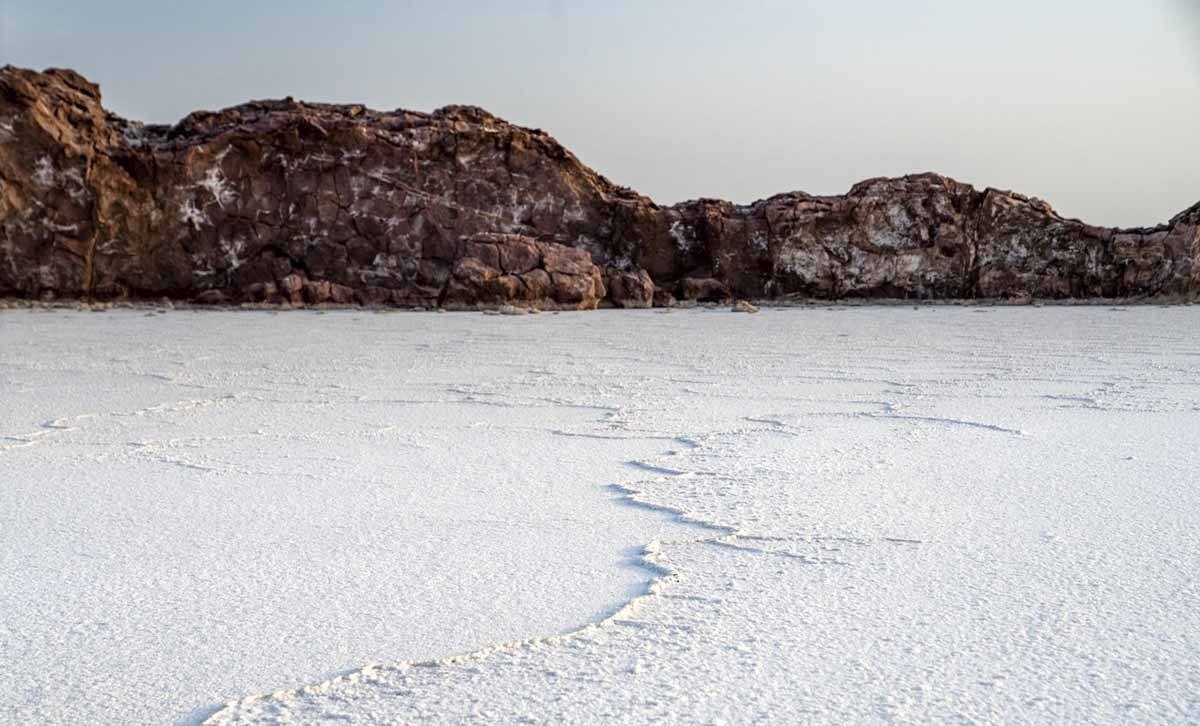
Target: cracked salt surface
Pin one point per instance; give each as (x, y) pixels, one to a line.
(901, 515)
(193, 507)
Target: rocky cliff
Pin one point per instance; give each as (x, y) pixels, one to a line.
(284, 200)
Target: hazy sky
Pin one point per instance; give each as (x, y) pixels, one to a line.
(1093, 105)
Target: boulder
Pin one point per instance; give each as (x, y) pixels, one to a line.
(212, 297)
(317, 292)
(292, 288)
(630, 289)
(263, 292)
(703, 289)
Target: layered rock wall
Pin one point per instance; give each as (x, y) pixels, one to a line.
(283, 200)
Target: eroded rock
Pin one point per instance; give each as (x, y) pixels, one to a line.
(630, 289)
(292, 202)
(702, 289)
(496, 269)
(212, 297)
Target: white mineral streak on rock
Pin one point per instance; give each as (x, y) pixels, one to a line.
(233, 251)
(680, 234)
(44, 173)
(190, 214)
(215, 184)
(69, 180)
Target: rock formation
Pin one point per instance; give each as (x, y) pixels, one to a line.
(303, 202)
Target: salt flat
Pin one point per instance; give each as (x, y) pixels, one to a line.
(811, 514)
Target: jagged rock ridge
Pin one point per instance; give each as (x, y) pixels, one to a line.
(283, 200)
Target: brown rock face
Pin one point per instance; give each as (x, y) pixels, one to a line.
(630, 289)
(309, 203)
(703, 289)
(495, 269)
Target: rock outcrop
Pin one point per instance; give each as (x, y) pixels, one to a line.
(312, 203)
(496, 269)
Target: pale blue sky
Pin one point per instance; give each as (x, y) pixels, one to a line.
(1093, 105)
